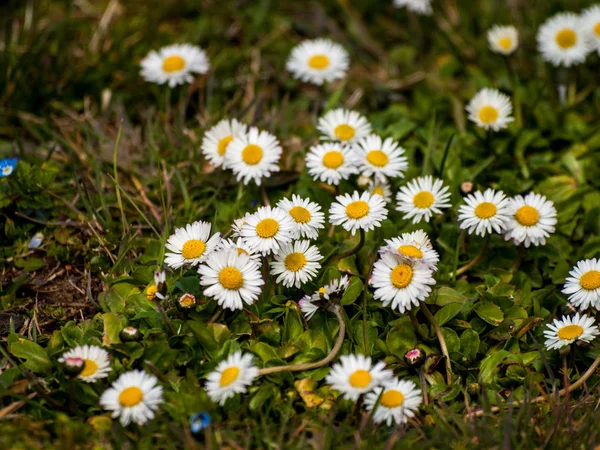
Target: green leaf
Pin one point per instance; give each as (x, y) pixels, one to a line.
(447, 313)
(490, 312)
(490, 366)
(401, 338)
(469, 343)
(451, 338)
(112, 328)
(36, 358)
(355, 288)
(446, 295)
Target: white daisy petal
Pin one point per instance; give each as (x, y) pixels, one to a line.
(583, 286)
(590, 19)
(96, 362)
(216, 140)
(253, 156)
(358, 211)
(296, 263)
(174, 64)
(570, 329)
(484, 213)
(531, 219)
(307, 216)
(191, 245)
(331, 162)
(267, 230)
(414, 246)
(490, 109)
(398, 399)
(318, 61)
(343, 125)
(380, 158)
(422, 7)
(503, 39)
(421, 198)
(562, 40)
(232, 376)
(355, 375)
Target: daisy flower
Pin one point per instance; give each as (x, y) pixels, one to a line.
(414, 246)
(216, 140)
(503, 39)
(7, 166)
(422, 7)
(590, 18)
(253, 155)
(490, 109)
(133, 397)
(307, 216)
(236, 226)
(95, 359)
(267, 229)
(562, 40)
(380, 188)
(380, 158)
(401, 282)
(570, 329)
(317, 61)
(240, 246)
(331, 162)
(174, 64)
(296, 263)
(399, 400)
(531, 219)
(343, 125)
(336, 287)
(583, 286)
(355, 375)
(232, 376)
(191, 245)
(232, 279)
(308, 307)
(483, 212)
(358, 211)
(421, 198)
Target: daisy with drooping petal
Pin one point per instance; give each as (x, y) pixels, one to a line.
(531, 219)
(191, 244)
(490, 109)
(583, 286)
(343, 125)
(562, 40)
(483, 212)
(95, 359)
(590, 18)
(336, 287)
(317, 61)
(133, 397)
(253, 155)
(307, 216)
(414, 246)
(240, 246)
(267, 230)
(399, 400)
(564, 332)
(174, 64)
(503, 39)
(401, 282)
(296, 263)
(308, 307)
(358, 211)
(421, 198)
(232, 279)
(380, 188)
(380, 158)
(217, 140)
(355, 375)
(232, 376)
(331, 162)
(422, 7)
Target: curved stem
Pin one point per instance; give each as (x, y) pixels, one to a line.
(313, 365)
(440, 336)
(475, 260)
(543, 398)
(354, 250)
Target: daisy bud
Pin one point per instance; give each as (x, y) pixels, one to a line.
(130, 334)
(466, 186)
(73, 366)
(160, 280)
(415, 357)
(186, 301)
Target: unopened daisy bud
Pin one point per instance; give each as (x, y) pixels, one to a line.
(363, 181)
(473, 388)
(73, 365)
(415, 358)
(186, 301)
(466, 186)
(130, 334)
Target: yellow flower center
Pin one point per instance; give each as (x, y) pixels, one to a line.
(360, 379)
(229, 375)
(295, 261)
(488, 114)
(392, 398)
(505, 43)
(410, 250)
(401, 275)
(252, 154)
(241, 250)
(187, 301)
(173, 64)
(130, 396)
(527, 216)
(377, 158)
(357, 210)
(231, 278)
(590, 280)
(300, 214)
(90, 367)
(267, 228)
(223, 143)
(597, 29)
(193, 248)
(423, 199)
(344, 132)
(485, 210)
(151, 292)
(566, 38)
(333, 159)
(570, 332)
(318, 62)
(378, 190)
(322, 291)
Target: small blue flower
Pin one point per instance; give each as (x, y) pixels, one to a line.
(254, 203)
(199, 422)
(36, 240)
(7, 166)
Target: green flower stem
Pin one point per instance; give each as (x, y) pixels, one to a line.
(165, 318)
(440, 336)
(475, 260)
(423, 386)
(314, 365)
(514, 81)
(356, 249)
